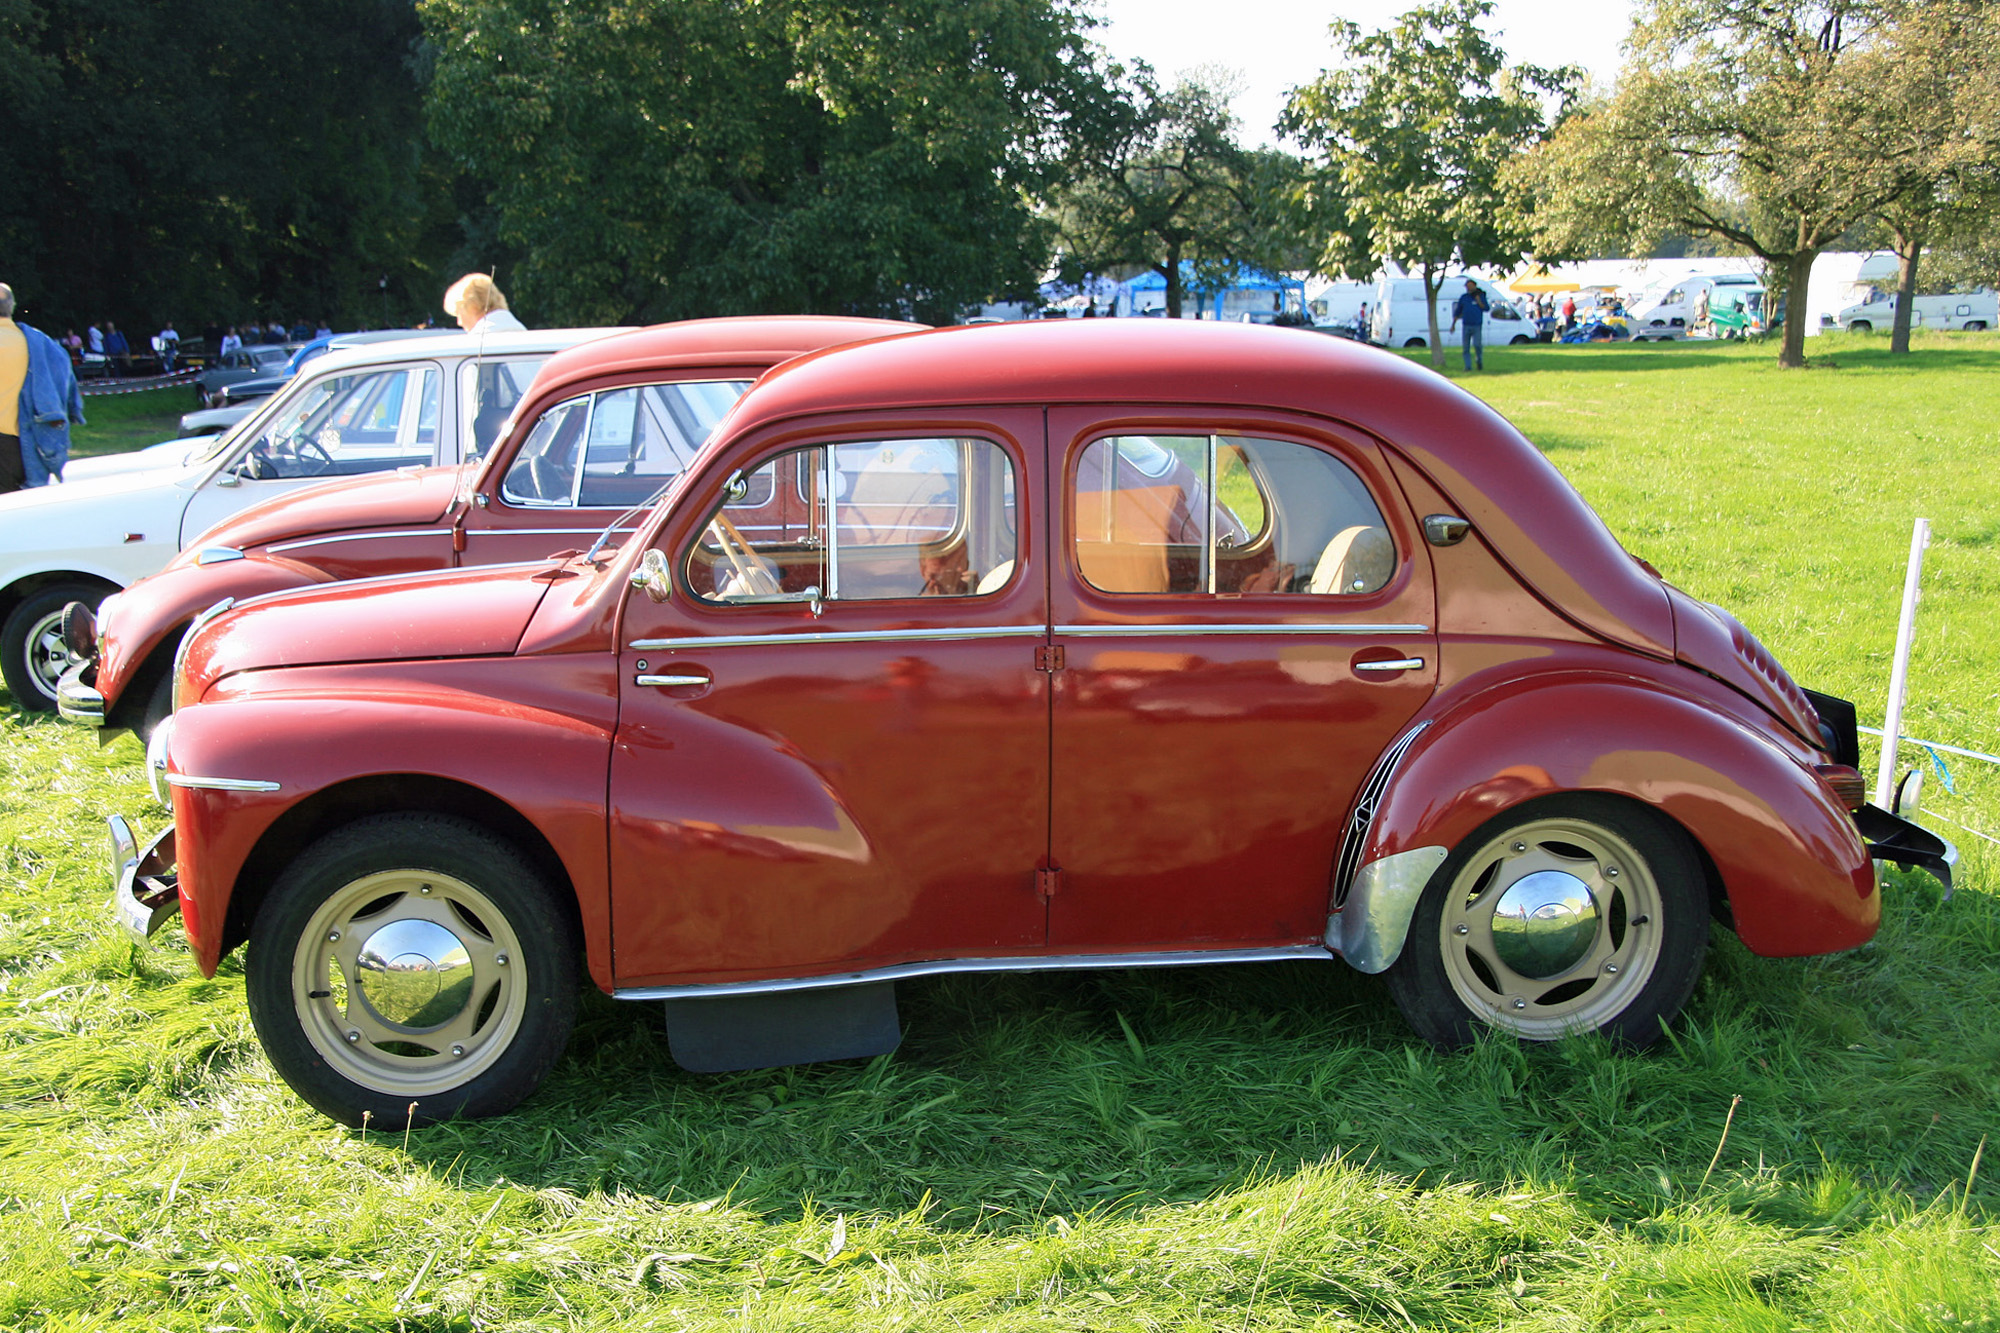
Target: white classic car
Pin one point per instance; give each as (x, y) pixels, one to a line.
(115, 520)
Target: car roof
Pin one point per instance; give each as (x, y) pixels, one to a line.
(1514, 496)
(751, 339)
(419, 346)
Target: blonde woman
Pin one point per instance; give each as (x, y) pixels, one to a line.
(479, 306)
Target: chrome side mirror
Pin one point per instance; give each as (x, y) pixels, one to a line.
(652, 576)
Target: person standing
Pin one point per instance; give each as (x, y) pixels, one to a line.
(1569, 313)
(1470, 308)
(96, 341)
(231, 342)
(39, 399)
(479, 306)
(116, 348)
(167, 344)
(1361, 323)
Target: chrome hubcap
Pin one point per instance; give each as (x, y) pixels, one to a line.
(48, 655)
(415, 974)
(405, 982)
(1551, 928)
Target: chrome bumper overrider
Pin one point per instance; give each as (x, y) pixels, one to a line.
(77, 699)
(145, 891)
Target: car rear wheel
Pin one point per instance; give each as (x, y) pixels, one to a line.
(1570, 914)
(33, 655)
(1860, 326)
(412, 958)
(1975, 326)
(1414, 342)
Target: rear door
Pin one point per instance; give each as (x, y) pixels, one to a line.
(1245, 618)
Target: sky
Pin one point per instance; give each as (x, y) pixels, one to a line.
(1276, 44)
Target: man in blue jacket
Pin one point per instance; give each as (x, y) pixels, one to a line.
(38, 401)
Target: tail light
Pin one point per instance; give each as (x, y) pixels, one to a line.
(1846, 784)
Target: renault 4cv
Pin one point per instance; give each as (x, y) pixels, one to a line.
(1108, 644)
(636, 407)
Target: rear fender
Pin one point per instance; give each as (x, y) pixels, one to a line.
(517, 767)
(1797, 877)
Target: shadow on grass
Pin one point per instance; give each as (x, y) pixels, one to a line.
(1013, 1097)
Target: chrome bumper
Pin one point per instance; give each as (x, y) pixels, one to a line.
(1896, 840)
(145, 891)
(77, 699)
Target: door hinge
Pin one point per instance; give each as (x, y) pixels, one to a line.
(1050, 657)
(1048, 882)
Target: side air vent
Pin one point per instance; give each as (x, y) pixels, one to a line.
(1364, 812)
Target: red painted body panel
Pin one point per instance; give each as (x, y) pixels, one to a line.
(467, 613)
(534, 732)
(407, 497)
(1798, 878)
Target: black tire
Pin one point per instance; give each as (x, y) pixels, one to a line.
(1860, 326)
(32, 655)
(159, 706)
(1975, 326)
(1622, 967)
(320, 973)
(1415, 342)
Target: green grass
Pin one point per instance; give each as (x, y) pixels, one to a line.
(117, 422)
(1230, 1148)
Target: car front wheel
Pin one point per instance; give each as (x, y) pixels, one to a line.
(33, 655)
(412, 958)
(1577, 913)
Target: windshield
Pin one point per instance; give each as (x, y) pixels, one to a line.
(348, 424)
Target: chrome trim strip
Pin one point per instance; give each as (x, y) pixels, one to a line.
(673, 680)
(1399, 664)
(1370, 929)
(1348, 864)
(219, 784)
(218, 555)
(1030, 963)
(282, 547)
(845, 636)
(1247, 631)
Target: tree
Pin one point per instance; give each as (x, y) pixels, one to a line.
(1733, 119)
(1412, 132)
(734, 156)
(1172, 190)
(1932, 80)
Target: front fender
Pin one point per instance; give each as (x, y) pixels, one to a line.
(1797, 876)
(150, 613)
(514, 748)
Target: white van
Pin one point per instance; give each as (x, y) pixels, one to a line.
(1399, 316)
(1970, 311)
(1676, 314)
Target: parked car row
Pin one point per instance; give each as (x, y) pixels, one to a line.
(754, 665)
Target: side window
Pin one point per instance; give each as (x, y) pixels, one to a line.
(351, 424)
(1227, 515)
(616, 448)
(488, 393)
(868, 521)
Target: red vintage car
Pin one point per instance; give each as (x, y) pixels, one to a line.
(635, 411)
(1107, 644)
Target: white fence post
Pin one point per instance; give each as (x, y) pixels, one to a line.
(1899, 670)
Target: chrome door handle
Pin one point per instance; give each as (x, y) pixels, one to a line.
(1393, 664)
(681, 680)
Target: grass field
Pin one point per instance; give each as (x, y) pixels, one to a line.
(1230, 1148)
(121, 421)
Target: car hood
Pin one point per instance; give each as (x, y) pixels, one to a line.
(1712, 641)
(18, 508)
(377, 500)
(169, 454)
(453, 613)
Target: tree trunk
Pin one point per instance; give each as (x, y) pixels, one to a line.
(1909, 249)
(1798, 272)
(1432, 281)
(1172, 273)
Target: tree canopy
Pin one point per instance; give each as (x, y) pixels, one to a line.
(728, 156)
(202, 162)
(1412, 130)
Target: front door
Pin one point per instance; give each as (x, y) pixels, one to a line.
(832, 746)
(1246, 618)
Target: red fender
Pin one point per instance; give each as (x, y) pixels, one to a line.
(1798, 878)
